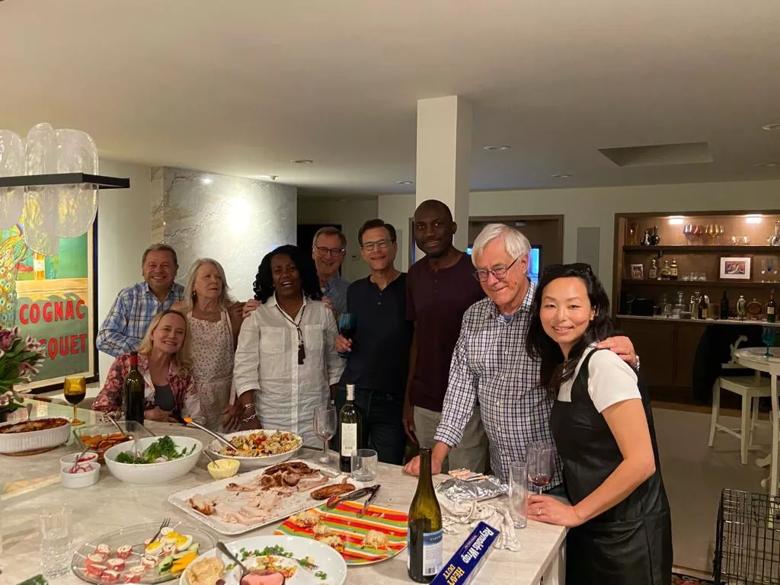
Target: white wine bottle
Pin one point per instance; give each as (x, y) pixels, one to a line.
(425, 529)
(349, 430)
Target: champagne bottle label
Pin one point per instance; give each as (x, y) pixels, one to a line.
(349, 435)
(431, 553)
(770, 310)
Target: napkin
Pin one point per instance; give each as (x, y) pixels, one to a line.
(463, 516)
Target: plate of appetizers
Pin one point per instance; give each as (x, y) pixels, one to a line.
(270, 560)
(361, 537)
(140, 554)
(256, 498)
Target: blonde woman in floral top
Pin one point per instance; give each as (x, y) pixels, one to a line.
(164, 363)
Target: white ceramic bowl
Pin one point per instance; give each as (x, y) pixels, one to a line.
(254, 462)
(67, 461)
(27, 441)
(150, 473)
(83, 479)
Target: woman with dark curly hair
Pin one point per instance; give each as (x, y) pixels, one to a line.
(603, 429)
(286, 360)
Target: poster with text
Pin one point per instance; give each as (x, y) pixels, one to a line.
(49, 297)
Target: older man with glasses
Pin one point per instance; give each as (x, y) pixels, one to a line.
(328, 250)
(490, 366)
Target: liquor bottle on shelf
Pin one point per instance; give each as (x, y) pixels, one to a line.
(754, 309)
(674, 269)
(741, 307)
(724, 306)
(666, 270)
(652, 272)
(134, 390)
(704, 307)
(771, 308)
(425, 527)
(694, 305)
(774, 239)
(655, 239)
(646, 239)
(349, 430)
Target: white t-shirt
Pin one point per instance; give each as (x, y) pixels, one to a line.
(610, 380)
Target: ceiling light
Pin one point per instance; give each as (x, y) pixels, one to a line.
(676, 220)
(267, 177)
(304, 161)
(753, 219)
(407, 182)
(561, 176)
(771, 127)
(206, 180)
(766, 165)
(495, 147)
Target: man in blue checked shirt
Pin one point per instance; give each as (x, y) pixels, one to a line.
(136, 305)
(490, 364)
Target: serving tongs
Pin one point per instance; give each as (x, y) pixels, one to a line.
(191, 423)
(370, 491)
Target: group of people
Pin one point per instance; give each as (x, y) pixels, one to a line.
(465, 355)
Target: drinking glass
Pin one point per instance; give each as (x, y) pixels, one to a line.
(75, 390)
(325, 421)
(55, 541)
(518, 493)
(688, 232)
(364, 464)
(346, 326)
(768, 335)
(540, 459)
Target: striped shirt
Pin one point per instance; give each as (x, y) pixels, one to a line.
(130, 315)
(490, 366)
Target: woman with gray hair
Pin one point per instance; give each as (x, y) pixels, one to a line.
(214, 320)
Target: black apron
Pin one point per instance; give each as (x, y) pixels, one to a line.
(631, 543)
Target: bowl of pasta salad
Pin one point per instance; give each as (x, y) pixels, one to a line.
(258, 447)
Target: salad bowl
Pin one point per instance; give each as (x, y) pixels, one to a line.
(152, 460)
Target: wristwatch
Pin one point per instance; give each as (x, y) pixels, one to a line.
(636, 366)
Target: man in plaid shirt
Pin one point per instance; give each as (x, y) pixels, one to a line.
(490, 365)
(136, 305)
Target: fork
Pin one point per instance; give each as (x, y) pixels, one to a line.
(164, 524)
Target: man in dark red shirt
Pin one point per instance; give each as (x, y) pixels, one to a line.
(439, 289)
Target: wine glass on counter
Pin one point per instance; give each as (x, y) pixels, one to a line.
(768, 336)
(75, 390)
(325, 421)
(540, 459)
(346, 325)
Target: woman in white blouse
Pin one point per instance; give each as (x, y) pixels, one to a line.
(286, 360)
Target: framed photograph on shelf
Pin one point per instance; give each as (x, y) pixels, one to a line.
(735, 267)
(637, 272)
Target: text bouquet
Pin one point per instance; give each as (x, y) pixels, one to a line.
(20, 360)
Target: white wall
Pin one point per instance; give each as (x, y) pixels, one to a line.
(596, 207)
(124, 232)
(350, 214)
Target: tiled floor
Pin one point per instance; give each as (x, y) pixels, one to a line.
(694, 476)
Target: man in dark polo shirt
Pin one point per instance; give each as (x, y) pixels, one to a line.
(378, 354)
(439, 289)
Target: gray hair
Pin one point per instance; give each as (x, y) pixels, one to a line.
(189, 291)
(329, 230)
(515, 243)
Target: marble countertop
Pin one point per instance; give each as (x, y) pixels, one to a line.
(111, 504)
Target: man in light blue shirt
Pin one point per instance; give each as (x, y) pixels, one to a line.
(329, 247)
(136, 305)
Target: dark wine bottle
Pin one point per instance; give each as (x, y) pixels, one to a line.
(349, 430)
(724, 306)
(771, 308)
(425, 528)
(134, 388)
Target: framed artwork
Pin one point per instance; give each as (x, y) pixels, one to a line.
(637, 271)
(735, 267)
(51, 298)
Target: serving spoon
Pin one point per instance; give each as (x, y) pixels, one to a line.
(226, 551)
(189, 422)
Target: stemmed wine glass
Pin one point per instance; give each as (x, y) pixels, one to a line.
(75, 390)
(688, 232)
(540, 459)
(346, 326)
(325, 427)
(768, 335)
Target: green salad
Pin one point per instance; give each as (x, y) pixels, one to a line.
(163, 449)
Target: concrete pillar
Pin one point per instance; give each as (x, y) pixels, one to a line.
(444, 157)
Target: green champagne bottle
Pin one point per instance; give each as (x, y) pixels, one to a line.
(134, 389)
(425, 529)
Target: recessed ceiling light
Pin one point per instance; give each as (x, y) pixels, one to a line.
(766, 165)
(304, 161)
(494, 147)
(407, 182)
(753, 218)
(561, 176)
(206, 180)
(676, 219)
(771, 127)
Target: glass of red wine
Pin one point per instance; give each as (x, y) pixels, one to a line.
(346, 325)
(75, 390)
(540, 459)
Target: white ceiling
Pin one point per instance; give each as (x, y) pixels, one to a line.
(244, 87)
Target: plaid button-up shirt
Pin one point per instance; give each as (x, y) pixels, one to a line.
(491, 367)
(130, 315)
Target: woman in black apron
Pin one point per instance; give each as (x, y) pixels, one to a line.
(620, 528)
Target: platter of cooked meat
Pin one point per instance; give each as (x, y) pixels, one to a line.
(257, 498)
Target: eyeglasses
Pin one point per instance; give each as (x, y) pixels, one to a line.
(378, 245)
(482, 274)
(323, 251)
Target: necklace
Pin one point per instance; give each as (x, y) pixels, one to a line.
(297, 325)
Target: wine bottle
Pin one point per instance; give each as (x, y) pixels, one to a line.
(724, 306)
(771, 308)
(349, 430)
(134, 389)
(425, 528)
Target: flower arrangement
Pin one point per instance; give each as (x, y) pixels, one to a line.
(20, 360)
